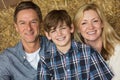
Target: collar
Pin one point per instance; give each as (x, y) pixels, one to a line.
(52, 49)
(20, 51)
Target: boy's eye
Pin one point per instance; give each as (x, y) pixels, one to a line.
(62, 28)
(52, 31)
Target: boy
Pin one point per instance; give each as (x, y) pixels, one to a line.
(66, 59)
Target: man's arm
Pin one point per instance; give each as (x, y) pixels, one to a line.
(4, 68)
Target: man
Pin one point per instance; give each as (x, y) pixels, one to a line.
(20, 62)
(67, 59)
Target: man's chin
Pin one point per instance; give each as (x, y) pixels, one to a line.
(29, 41)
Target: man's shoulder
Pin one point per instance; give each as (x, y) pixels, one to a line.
(11, 50)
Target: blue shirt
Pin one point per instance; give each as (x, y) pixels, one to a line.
(81, 62)
(13, 63)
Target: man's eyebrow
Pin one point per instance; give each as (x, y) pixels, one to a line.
(20, 21)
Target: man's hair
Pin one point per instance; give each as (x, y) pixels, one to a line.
(27, 5)
(54, 17)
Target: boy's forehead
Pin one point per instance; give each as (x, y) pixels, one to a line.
(59, 24)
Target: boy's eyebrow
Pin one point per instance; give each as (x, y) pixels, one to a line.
(53, 28)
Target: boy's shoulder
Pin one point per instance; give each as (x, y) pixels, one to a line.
(79, 45)
(84, 48)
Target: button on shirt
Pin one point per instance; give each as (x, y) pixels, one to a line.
(81, 62)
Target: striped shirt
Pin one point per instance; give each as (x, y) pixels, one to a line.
(81, 62)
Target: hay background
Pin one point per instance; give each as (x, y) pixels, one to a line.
(9, 37)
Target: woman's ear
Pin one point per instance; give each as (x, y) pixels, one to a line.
(102, 24)
(47, 35)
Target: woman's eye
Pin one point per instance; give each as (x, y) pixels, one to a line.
(83, 23)
(33, 21)
(95, 20)
(63, 28)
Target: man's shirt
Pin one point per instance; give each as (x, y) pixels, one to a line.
(81, 62)
(15, 66)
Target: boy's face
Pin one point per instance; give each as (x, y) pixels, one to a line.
(61, 36)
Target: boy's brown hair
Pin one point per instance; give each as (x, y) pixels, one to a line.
(54, 17)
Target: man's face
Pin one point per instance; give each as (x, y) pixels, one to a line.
(27, 25)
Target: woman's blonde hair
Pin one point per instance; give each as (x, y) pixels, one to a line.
(109, 37)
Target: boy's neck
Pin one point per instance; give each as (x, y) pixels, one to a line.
(64, 49)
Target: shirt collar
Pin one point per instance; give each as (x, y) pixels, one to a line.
(53, 50)
(20, 50)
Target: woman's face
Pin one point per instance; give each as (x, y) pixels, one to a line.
(90, 26)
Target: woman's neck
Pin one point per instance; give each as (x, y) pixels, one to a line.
(95, 44)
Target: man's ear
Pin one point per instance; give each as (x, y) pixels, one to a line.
(72, 28)
(47, 35)
(15, 25)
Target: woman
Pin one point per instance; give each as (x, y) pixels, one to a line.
(92, 28)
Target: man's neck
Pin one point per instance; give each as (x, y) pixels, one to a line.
(31, 47)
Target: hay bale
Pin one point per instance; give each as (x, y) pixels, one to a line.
(9, 37)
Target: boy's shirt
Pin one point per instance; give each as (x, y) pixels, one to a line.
(81, 62)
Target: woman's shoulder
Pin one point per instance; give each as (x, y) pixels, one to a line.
(117, 46)
(114, 62)
(117, 50)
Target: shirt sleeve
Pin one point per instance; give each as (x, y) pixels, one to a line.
(99, 70)
(43, 71)
(4, 66)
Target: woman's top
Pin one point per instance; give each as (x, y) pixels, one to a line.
(114, 63)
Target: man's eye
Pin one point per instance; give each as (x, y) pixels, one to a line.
(21, 23)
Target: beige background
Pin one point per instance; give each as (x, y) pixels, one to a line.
(9, 37)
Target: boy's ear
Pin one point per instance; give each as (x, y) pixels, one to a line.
(72, 28)
(47, 35)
